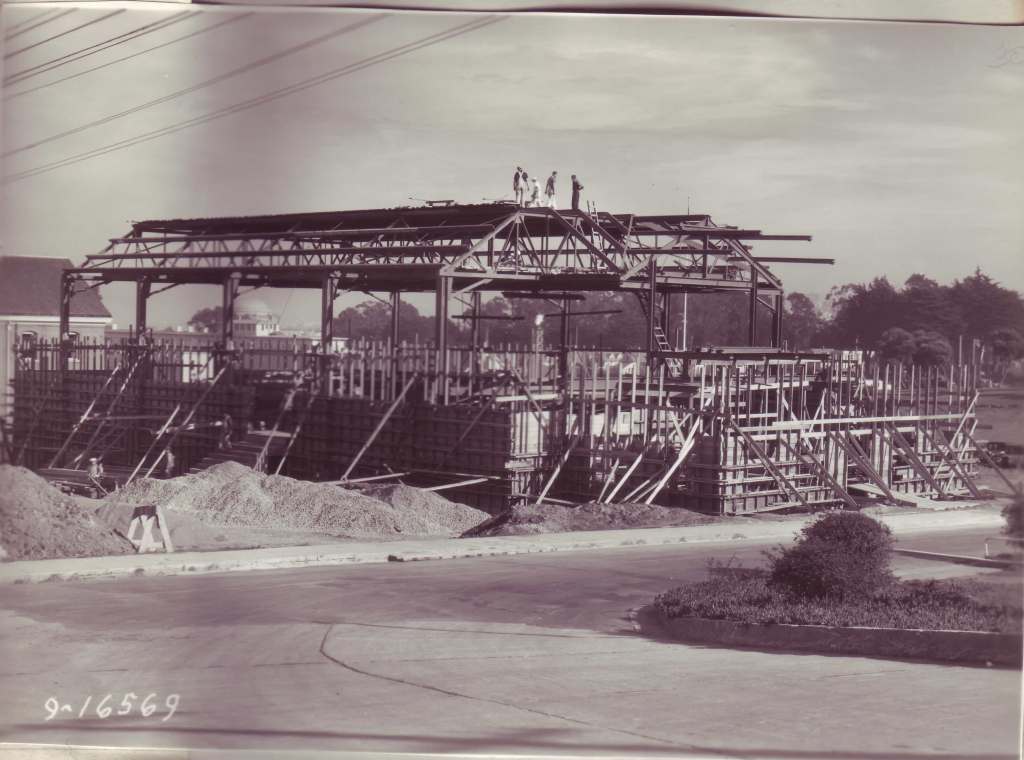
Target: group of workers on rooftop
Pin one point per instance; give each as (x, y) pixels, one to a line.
(527, 190)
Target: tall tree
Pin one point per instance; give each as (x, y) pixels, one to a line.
(208, 319)
(802, 324)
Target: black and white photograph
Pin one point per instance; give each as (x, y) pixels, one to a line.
(510, 380)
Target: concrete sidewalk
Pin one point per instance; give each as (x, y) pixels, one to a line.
(783, 530)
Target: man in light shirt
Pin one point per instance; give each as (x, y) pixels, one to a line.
(549, 190)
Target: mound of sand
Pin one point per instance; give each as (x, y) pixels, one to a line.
(551, 518)
(230, 494)
(37, 521)
(448, 514)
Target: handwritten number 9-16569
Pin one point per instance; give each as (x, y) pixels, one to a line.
(108, 706)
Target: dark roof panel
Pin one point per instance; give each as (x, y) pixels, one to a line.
(325, 220)
(30, 286)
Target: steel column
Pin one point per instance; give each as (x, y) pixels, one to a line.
(652, 305)
(328, 295)
(229, 292)
(67, 289)
(752, 321)
(142, 290)
(396, 306)
(442, 292)
(777, 322)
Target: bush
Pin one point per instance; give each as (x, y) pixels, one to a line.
(930, 605)
(1014, 514)
(843, 555)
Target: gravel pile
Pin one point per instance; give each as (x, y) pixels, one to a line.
(37, 521)
(434, 507)
(552, 518)
(232, 494)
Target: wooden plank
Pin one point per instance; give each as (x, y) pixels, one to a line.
(460, 484)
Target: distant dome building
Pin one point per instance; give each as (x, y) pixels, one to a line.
(253, 319)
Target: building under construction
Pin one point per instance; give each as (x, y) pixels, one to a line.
(728, 431)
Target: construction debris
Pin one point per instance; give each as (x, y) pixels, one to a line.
(39, 522)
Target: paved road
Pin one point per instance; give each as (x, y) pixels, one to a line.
(532, 654)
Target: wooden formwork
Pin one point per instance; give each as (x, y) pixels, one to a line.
(719, 432)
(737, 435)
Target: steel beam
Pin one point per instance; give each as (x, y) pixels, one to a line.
(229, 292)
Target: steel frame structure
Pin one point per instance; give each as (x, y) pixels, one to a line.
(450, 250)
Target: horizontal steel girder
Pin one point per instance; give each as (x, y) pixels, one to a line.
(384, 249)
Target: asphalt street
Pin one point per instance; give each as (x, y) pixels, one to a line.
(530, 654)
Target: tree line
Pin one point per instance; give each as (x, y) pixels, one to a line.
(922, 321)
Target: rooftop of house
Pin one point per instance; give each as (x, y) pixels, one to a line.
(30, 286)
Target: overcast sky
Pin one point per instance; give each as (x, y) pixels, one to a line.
(897, 146)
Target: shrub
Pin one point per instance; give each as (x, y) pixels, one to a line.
(1014, 514)
(932, 605)
(843, 555)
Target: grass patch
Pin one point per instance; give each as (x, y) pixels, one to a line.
(959, 605)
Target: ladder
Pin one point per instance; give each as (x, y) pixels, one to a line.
(675, 366)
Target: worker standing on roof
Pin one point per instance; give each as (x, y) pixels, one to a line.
(534, 194)
(549, 190)
(577, 186)
(517, 186)
(524, 200)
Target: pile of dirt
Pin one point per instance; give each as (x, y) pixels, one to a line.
(230, 494)
(552, 518)
(434, 507)
(37, 521)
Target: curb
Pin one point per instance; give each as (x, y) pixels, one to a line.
(956, 647)
(277, 558)
(961, 559)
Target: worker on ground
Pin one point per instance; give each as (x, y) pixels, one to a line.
(576, 188)
(225, 432)
(534, 194)
(549, 190)
(517, 186)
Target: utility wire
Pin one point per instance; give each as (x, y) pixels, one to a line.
(66, 32)
(229, 20)
(32, 17)
(99, 47)
(201, 85)
(60, 14)
(387, 55)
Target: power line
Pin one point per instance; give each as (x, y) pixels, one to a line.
(201, 85)
(387, 55)
(64, 33)
(32, 17)
(229, 20)
(99, 47)
(60, 14)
